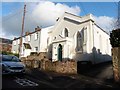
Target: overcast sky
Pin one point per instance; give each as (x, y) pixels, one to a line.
(45, 13)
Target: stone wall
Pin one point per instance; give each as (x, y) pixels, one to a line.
(116, 63)
(69, 66)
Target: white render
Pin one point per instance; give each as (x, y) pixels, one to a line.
(80, 38)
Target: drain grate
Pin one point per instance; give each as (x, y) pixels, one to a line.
(25, 82)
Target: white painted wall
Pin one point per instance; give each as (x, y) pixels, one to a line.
(92, 40)
(101, 44)
(27, 52)
(43, 39)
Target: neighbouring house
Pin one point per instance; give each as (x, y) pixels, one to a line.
(5, 45)
(72, 37)
(30, 43)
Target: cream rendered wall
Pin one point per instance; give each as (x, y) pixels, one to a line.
(27, 52)
(102, 43)
(73, 29)
(15, 47)
(92, 39)
(43, 39)
(104, 37)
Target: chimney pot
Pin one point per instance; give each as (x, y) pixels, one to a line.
(38, 28)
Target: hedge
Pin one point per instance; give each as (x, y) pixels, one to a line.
(115, 38)
(9, 53)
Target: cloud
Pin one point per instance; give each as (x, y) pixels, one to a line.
(42, 14)
(105, 22)
(48, 12)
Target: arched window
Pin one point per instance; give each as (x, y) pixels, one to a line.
(48, 41)
(79, 44)
(66, 32)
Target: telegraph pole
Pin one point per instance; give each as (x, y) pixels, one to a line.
(20, 46)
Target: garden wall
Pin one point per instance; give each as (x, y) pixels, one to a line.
(35, 61)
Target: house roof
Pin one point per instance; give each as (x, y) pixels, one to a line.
(27, 34)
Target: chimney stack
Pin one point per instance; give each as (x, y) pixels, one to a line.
(14, 38)
(26, 33)
(38, 28)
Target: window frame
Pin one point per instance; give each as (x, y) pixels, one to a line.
(36, 35)
(29, 38)
(14, 43)
(81, 44)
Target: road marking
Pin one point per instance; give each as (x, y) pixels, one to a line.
(25, 82)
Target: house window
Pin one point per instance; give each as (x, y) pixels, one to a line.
(66, 32)
(18, 41)
(23, 40)
(36, 49)
(29, 37)
(26, 38)
(79, 46)
(48, 41)
(36, 36)
(14, 42)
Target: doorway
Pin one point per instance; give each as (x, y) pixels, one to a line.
(60, 52)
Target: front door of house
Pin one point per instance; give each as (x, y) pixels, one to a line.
(60, 52)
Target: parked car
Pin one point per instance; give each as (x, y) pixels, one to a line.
(11, 65)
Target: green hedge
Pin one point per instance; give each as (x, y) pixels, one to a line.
(9, 53)
(115, 38)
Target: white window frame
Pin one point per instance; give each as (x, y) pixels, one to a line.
(14, 42)
(66, 32)
(81, 46)
(63, 32)
(36, 35)
(26, 38)
(23, 39)
(29, 38)
(18, 41)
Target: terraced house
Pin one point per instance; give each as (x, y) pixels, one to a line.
(72, 37)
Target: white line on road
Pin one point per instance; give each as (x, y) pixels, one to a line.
(25, 82)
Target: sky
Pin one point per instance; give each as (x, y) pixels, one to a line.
(45, 13)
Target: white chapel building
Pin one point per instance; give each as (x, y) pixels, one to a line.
(72, 37)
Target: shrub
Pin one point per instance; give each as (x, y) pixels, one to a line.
(115, 38)
(10, 53)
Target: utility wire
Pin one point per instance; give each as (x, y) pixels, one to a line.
(19, 11)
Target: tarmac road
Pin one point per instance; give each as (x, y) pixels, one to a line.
(98, 76)
(26, 81)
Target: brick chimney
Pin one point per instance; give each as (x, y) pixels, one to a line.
(14, 38)
(26, 33)
(38, 28)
